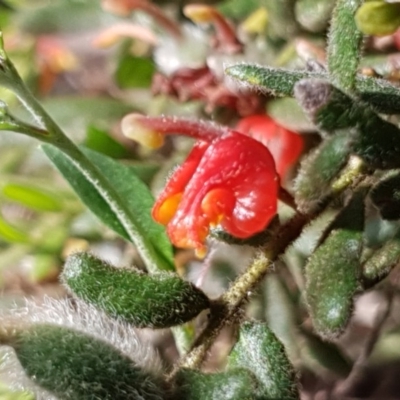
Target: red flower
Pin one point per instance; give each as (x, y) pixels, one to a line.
(228, 179)
(285, 146)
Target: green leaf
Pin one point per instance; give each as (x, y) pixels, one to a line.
(314, 15)
(99, 140)
(378, 18)
(8, 394)
(259, 351)
(280, 313)
(134, 72)
(328, 108)
(382, 261)
(239, 9)
(281, 21)
(344, 45)
(234, 384)
(319, 169)
(44, 266)
(75, 366)
(333, 271)
(381, 94)
(73, 114)
(159, 300)
(274, 81)
(11, 233)
(288, 113)
(325, 354)
(151, 236)
(374, 139)
(53, 17)
(32, 197)
(144, 170)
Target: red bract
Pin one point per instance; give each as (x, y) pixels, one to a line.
(228, 179)
(286, 146)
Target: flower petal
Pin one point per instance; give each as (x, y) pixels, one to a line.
(285, 145)
(240, 173)
(169, 199)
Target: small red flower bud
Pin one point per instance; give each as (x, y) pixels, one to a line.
(228, 179)
(284, 145)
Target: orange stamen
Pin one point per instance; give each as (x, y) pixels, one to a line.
(167, 210)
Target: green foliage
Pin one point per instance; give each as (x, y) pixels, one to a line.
(332, 111)
(100, 140)
(379, 93)
(314, 15)
(343, 51)
(6, 394)
(333, 271)
(234, 384)
(11, 233)
(281, 21)
(328, 108)
(274, 81)
(32, 197)
(49, 18)
(318, 170)
(288, 113)
(378, 18)
(159, 300)
(280, 313)
(263, 354)
(239, 8)
(326, 354)
(151, 237)
(329, 265)
(380, 263)
(134, 72)
(75, 366)
(97, 111)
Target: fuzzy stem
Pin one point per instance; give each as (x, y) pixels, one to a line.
(285, 197)
(227, 310)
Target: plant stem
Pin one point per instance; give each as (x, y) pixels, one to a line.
(227, 309)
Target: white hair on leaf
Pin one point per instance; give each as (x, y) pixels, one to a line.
(75, 315)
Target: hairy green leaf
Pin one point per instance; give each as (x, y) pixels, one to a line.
(76, 366)
(158, 300)
(318, 170)
(344, 45)
(151, 236)
(234, 384)
(381, 94)
(263, 354)
(333, 271)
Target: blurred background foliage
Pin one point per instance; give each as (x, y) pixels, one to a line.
(88, 77)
